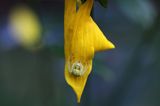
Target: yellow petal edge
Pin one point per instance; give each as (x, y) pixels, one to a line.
(82, 38)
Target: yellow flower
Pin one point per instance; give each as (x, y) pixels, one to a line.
(82, 39)
(25, 26)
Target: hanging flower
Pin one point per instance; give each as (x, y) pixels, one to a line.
(82, 39)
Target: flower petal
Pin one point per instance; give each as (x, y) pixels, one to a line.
(82, 39)
(77, 83)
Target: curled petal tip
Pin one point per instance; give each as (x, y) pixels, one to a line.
(111, 45)
(78, 99)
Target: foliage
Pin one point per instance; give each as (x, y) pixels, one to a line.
(103, 3)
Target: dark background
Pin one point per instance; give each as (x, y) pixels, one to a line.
(126, 76)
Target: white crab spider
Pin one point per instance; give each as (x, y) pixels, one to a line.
(77, 69)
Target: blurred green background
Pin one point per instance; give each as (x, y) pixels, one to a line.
(31, 71)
